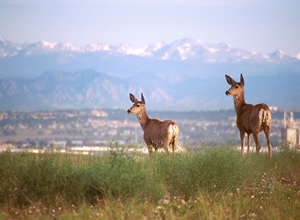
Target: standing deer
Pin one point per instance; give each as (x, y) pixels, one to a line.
(157, 134)
(250, 118)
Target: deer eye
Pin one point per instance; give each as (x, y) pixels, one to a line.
(236, 87)
(138, 105)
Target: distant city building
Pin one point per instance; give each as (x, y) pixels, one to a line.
(290, 132)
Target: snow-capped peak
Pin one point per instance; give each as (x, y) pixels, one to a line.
(184, 49)
(97, 47)
(48, 44)
(277, 54)
(68, 47)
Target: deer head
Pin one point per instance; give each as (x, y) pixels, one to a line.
(236, 88)
(138, 106)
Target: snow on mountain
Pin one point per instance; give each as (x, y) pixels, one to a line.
(8, 48)
(279, 57)
(181, 50)
(97, 47)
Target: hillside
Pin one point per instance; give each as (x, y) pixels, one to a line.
(185, 75)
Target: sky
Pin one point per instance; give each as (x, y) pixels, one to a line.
(261, 26)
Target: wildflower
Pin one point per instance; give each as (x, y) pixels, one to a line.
(159, 207)
(252, 196)
(164, 201)
(91, 206)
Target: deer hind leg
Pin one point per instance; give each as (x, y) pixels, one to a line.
(174, 144)
(256, 139)
(267, 133)
(249, 143)
(242, 135)
(166, 146)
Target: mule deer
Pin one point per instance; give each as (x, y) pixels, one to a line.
(250, 118)
(157, 134)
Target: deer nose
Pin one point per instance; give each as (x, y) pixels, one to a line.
(227, 93)
(129, 111)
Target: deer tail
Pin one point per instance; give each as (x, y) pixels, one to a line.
(265, 116)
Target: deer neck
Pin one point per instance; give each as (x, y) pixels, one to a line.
(143, 118)
(239, 101)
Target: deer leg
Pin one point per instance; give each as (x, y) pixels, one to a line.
(149, 149)
(242, 135)
(166, 147)
(249, 143)
(255, 136)
(156, 150)
(174, 144)
(267, 133)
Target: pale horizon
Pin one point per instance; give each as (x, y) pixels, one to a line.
(257, 26)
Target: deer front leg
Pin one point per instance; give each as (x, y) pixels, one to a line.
(242, 136)
(156, 150)
(249, 143)
(255, 136)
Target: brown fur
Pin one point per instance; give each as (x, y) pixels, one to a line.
(157, 134)
(251, 119)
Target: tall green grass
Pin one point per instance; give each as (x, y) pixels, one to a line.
(211, 184)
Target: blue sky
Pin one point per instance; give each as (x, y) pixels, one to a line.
(262, 26)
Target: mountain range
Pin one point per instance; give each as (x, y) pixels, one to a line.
(184, 75)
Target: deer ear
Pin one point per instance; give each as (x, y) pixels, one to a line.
(230, 81)
(132, 98)
(143, 99)
(242, 80)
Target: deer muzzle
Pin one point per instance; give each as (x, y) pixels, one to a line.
(129, 111)
(227, 93)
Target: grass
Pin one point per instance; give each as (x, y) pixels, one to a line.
(215, 183)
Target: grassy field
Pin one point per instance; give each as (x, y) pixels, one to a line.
(211, 183)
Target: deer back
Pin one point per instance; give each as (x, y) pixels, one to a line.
(158, 131)
(253, 117)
